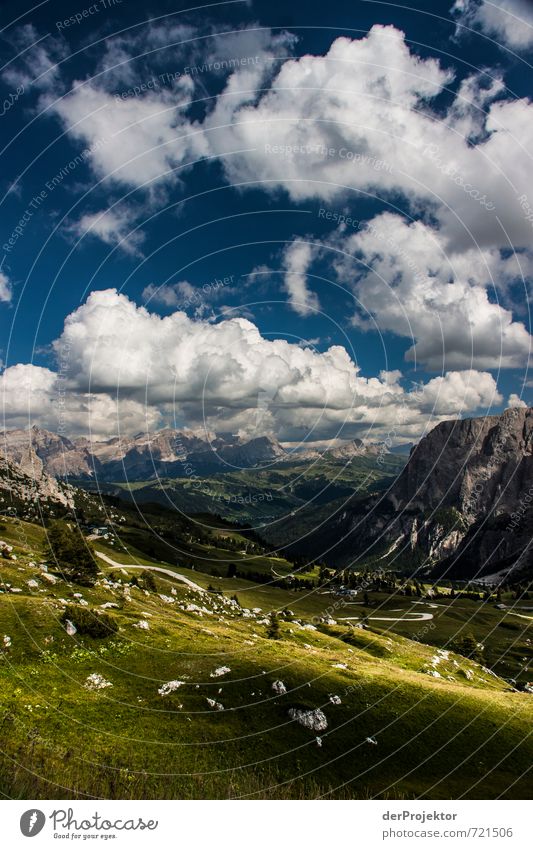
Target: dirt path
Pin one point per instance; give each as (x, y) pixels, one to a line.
(127, 566)
(414, 617)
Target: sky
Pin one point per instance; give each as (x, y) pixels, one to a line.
(311, 221)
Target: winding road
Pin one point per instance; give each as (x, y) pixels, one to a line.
(127, 566)
(414, 617)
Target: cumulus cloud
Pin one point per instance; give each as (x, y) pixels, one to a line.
(362, 117)
(507, 21)
(144, 136)
(515, 401)
(125, 369)
(413, 284)
(5, 288)
(297, 259)
(30, 394)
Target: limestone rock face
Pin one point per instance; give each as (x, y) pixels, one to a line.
(37, 451)
(142, 457)
(462, 506)
(474, 465)
(37, 492)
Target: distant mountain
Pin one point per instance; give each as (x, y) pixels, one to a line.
(357, 448)
(461, 506)
(36, 451)
(146, 456)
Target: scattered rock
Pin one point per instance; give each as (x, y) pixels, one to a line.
(170, 687)
(314, 720)
(96, 682)
(222, 670)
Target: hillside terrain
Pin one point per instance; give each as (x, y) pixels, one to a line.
(164, 700)
(218, 657)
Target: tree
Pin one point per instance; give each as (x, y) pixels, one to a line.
(145, 581)
(469, 647)
(72, 553)
(273, 629)
(232, 570)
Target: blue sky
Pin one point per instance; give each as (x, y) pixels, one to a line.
(326, 208)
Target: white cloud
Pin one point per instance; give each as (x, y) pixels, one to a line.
(5, 288)
(467, 390)
(143, 137)
(410, 282)
(297, 258)
(174, 368)
(31, 395)
(360, 118)
(113, 227)
(126, 370)
(507, 21)
(514, 401)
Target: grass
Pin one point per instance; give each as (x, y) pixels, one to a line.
(436, 738)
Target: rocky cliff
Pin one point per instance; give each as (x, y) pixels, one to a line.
(461, 506)
(29, 493)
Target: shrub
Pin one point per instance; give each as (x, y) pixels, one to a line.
(72, 553)
(273, 629)
(88, 622)
(145, 581)
(469, 647)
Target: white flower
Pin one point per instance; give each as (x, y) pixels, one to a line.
(143, 625)
(7, 641)
(279, 688)
(214, 705)
(335, 700)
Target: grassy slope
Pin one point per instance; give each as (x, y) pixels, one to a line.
(436, 737)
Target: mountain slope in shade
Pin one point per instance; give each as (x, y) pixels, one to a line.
(460, 502)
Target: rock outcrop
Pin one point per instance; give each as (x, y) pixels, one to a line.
(462, 506)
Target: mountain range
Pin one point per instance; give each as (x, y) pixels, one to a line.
(460, 507)
(165, 453)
